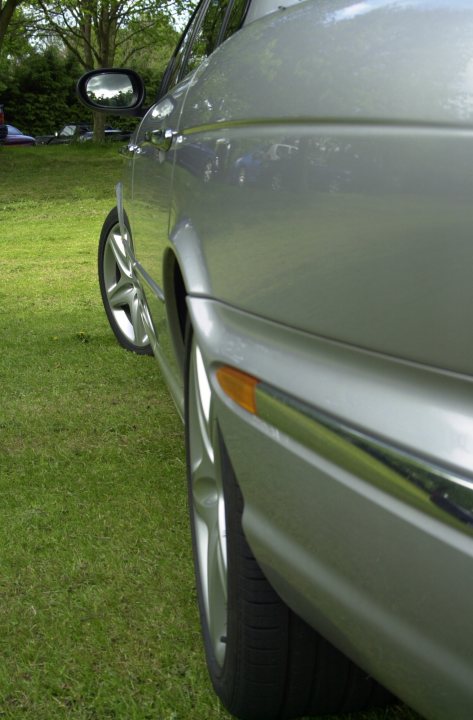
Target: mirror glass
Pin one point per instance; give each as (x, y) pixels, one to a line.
(113, 90)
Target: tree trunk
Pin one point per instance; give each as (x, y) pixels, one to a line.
(99, 127)
(86, 32)
(6, 13)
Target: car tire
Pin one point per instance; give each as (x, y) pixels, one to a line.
(122, 296)
(265, 663)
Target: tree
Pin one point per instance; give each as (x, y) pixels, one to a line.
(38, 91)
(7, 10)
(14, 49)
(98, 32)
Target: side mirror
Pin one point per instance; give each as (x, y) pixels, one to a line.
(114, 91)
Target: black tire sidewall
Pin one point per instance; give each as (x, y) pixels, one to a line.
(232, 678)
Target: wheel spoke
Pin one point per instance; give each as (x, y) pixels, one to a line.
(146, 320)
(217, 562)
(208, 504)
(121, 294)
(203, 398)
(137, 321)
(117, 247)
(217, 590)
(205, 498)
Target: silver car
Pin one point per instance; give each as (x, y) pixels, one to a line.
(293, 240)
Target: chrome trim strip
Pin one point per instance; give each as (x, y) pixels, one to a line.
(435, 490)
(329, 122)
(149, 280)
(121, 216)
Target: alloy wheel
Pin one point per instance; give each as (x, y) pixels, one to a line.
(123, 293)
(208, 503)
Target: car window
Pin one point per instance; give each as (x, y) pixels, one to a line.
(236, 17)
(207, 36)
(68, 130)
(173, 72)
(212, 22)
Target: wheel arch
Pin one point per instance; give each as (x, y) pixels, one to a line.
(175, 292)
(184, 273)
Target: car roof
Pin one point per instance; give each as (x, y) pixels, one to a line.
(259, 8)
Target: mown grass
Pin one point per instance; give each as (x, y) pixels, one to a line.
(98, 616)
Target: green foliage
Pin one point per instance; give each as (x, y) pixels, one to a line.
(37, 84)
(37, 79)
(150, 52)
(15, 43)
(98, 615)
(39, 92)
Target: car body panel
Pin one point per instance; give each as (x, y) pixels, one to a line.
(389, 61)
(384, 159)
(149, 183)
(337, 259)
(386, 582)
(399, 248)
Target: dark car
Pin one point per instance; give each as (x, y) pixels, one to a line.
(74, 132)
(3, 127)
(110, 134)
(16, 137)
(68, 133)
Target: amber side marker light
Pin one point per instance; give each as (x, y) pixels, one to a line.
(239, 386)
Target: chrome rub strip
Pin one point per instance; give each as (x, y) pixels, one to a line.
(434, 490)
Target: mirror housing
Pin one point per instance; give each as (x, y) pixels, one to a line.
(115, 91)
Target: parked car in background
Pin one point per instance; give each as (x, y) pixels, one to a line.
(16, 137)
(3, 127)
(111, 134)
(68, 133)
(75, 132)
(292, 240)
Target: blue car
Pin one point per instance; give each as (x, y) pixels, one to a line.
(15, 137)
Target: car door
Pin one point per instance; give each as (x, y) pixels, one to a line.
(302, 157)
(154, 156)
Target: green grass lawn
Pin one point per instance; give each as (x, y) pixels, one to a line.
(98, 614)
